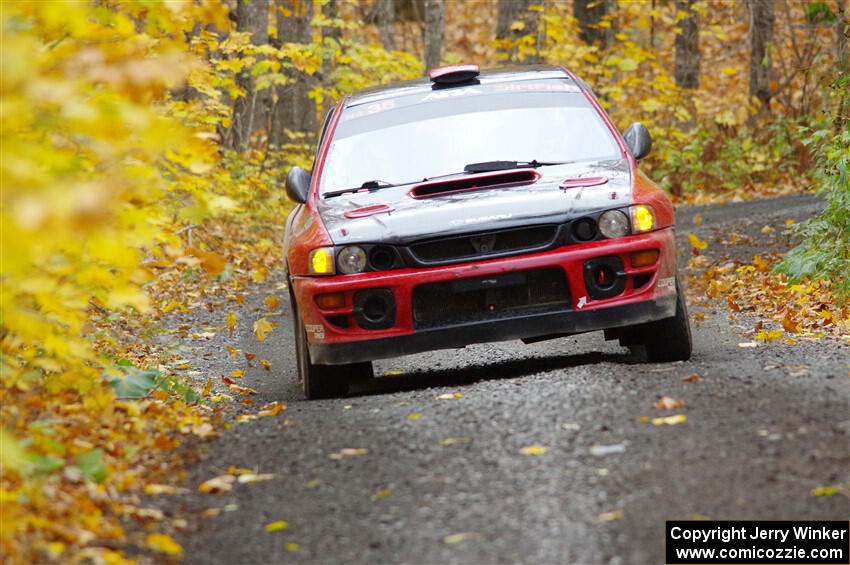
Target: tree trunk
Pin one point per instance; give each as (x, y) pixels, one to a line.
(589, 13)
(511, 11)
(385, 14)
(762, 18)
(435, 26)
(687, 47)
(294, 110)
(251, 112)
(842, 54)
(328, 63)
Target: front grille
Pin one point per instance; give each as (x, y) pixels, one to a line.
(474, 246)
(490, 298)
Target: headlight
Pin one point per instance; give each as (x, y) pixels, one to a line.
(351, 260)
(643, 218)
(321, 261)
(613, 223)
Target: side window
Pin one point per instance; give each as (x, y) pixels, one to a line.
(322, 135)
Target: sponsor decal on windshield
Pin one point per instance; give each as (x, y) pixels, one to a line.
(535, 87)
(368, 110)
(451, 93)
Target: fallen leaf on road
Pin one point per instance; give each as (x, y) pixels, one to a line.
(234, 353)
(164, 544)
(250, 478)
(534, 450)
(348, 452)
(670, 420)
(697, 244)
(246, 417)
(315, 483)
(271, 302)
(692, 378)
(272, 409)
(697, 220)
(249, 357)
(207, 388)
(447, 441)
(217, 485)
(458, 538)
(262, 327)
(449, 396)
(267, 365)
(826, 490)
(231, 323)
(243, 390)
(160, 489)
(276, 526)
(383, 493)
(767, 230)
(237, 374)
(667, 403)
(203, 430)
(292, 547)
(611, 516)
(414, 416)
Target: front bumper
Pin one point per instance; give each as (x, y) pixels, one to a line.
(331, 344)
(484, 332)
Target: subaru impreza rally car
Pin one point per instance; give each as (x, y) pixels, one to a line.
(472, 207)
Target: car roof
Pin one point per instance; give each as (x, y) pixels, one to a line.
(486, 76)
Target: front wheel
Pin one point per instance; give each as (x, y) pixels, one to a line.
(323, 381)
(668, 339)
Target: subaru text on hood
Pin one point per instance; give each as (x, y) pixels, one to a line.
(474, 207)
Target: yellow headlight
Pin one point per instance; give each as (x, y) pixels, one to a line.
(643, 218)
(322, 261)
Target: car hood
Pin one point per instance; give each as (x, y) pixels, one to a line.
(403, 218)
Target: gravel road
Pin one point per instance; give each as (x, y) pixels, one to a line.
(444, 480)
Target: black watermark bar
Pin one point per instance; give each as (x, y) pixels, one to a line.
(696, 542)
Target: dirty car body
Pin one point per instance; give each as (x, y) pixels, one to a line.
(483, 207)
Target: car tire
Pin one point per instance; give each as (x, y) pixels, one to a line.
(668, 339)
(323, 381)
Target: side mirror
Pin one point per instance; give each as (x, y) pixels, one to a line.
(638, 140)
(298, 184)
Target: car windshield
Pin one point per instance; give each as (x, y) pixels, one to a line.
(409, 138)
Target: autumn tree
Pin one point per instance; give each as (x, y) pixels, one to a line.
(590, 14)
(385, 18)
(515, 21)
(761, 20)
(251, 111)
(294, 110)
(434, 30)
(687, 46)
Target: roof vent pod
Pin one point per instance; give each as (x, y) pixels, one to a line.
(453, 74)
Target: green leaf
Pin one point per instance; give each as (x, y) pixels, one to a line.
(91, 465)
(135, 383)
(46, 463)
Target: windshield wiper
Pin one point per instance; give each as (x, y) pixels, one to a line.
(369, 185)
(489, 166)
(485, 167)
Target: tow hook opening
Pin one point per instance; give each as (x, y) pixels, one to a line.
(374, 309)
(604, 277)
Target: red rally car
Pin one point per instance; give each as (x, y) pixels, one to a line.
(473, 207)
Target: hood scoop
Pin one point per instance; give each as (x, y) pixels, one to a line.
(498, 180)
(368, 211)
(583, 182)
